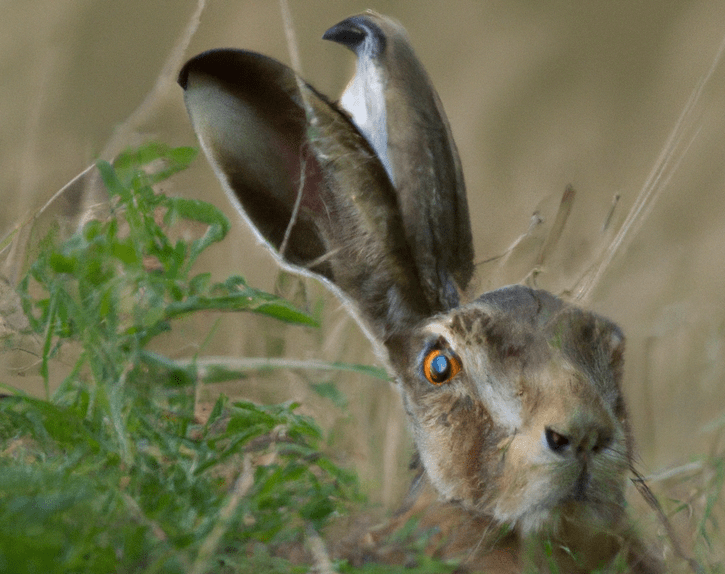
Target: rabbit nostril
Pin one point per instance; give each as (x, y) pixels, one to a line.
(556, 441)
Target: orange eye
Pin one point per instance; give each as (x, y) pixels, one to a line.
(440, 367)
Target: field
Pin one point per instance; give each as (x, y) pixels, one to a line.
(623, 101)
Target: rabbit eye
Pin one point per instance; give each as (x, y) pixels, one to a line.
(440, 367)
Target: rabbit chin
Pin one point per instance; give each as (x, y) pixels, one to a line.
(541, 495)
(552, 513)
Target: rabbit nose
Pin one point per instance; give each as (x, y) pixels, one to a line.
(582, 441)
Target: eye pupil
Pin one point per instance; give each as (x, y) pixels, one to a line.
(440, 366)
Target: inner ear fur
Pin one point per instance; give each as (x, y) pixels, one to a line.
(305, 178)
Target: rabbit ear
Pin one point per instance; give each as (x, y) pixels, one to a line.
(307, 181)
(395, 105)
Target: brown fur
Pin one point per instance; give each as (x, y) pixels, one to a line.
(480, 544)
(531, 431)
(531, 364)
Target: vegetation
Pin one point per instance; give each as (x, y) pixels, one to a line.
(118, 470)
(114, 471)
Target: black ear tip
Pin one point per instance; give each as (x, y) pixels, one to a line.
(355, 30)
(220, 63)
(347, 33)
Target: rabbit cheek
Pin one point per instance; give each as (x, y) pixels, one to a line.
(453, 433)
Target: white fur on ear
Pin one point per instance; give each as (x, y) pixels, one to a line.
(365, 100)
(365, 97)
(396, 107)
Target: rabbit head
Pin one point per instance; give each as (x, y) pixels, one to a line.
(513, 399)
(515, 407)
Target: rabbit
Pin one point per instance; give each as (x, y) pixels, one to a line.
(513, 398)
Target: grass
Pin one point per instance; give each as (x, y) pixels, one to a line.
(114, 470)
(117, 470)
(64, 491)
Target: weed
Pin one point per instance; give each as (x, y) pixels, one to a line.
(113, 471)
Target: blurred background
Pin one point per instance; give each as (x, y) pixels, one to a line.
(539, 95)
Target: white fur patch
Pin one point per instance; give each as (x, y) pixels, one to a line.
(364, 100)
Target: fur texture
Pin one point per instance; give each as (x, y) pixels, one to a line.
(514, 398)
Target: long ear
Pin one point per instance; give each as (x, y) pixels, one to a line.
(393, 101)
(307, 181)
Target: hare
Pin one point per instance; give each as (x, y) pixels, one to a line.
(513, 398)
